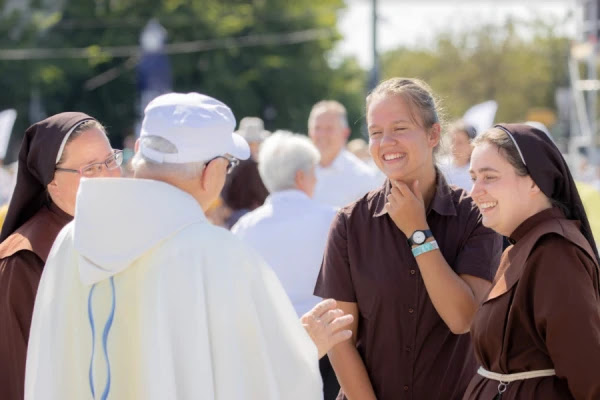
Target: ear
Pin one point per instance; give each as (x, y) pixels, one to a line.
(299, 178)
(206, 175)
(52, 189)
(435, 133)
(533, 187)
(347, 132)
(137, 145)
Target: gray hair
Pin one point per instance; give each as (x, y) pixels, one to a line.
(282, 155)
(145, 166)
(324, 106)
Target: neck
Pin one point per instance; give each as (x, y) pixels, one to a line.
(427, 185)
(188, 186)
(327, 161)
(540, 206)
(460, 163)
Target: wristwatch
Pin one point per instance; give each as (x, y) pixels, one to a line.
(419, 237)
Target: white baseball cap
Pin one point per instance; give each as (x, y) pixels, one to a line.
(199, 126)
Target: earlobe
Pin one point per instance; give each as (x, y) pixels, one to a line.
(52, 189)
(203, 176)
(534, 188)
(435, 134)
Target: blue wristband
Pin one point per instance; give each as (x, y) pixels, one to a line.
(424, 248)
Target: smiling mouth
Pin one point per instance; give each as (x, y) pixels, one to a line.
(393, 156)
(488, 205)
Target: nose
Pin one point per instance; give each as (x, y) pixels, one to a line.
(477, 189)
(110, 173)
(387, 139)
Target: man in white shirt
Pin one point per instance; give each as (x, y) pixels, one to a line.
(290, 230)
(143, 298)
(341, 176)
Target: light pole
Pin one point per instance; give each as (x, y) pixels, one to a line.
(154, 70)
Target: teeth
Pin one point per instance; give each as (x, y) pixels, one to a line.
(388, 157)
(488, 204)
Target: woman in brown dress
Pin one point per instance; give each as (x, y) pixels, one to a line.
(54, 155)
(537, 335)
(410, 261)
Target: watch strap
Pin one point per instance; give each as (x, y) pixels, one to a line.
(424, 248)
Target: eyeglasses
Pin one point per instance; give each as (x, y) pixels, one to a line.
(232, 162)
(95, 169)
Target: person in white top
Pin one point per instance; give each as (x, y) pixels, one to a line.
(290, 229)
(456, 168)
(341, 176)
(142, 298)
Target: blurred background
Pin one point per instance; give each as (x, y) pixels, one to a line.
(537, 60)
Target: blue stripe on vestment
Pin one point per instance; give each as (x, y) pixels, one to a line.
(105, 333)
(91, 318)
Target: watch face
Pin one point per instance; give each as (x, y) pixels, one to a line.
(418, 237)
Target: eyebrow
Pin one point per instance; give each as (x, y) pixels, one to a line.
(484, 169)
(393, 122)
(96, 161)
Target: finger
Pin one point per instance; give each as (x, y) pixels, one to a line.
(331, 315)
(340, 322)
(339, 337)
(395, 192)
(387, 208)
(322, 308)
(401, 186)
(417, 190)
(394, 201)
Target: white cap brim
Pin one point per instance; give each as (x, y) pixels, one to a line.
(240, 148)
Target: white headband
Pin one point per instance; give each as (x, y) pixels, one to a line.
(61, 149)
(514, 142)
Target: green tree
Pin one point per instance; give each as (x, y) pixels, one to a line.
(491, 62)
(278, 82)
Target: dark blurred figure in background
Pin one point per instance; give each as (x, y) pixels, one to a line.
(244, 190)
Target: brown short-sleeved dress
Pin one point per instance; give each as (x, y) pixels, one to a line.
(22, 258)
(408, 350)
(542, 313)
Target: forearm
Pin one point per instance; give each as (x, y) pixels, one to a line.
(451, 296)
(351, 372)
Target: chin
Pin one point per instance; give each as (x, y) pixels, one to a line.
(396, 175)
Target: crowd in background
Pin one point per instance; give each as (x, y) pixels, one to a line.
(322, 210)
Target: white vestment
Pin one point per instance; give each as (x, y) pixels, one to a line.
(142, 298)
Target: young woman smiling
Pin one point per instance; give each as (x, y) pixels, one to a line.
(537, 335)
(410, 261)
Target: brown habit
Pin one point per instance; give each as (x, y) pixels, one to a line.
(543, 311)
(31, 225)
(22, 258)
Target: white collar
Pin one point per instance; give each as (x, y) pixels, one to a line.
(285, 195)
